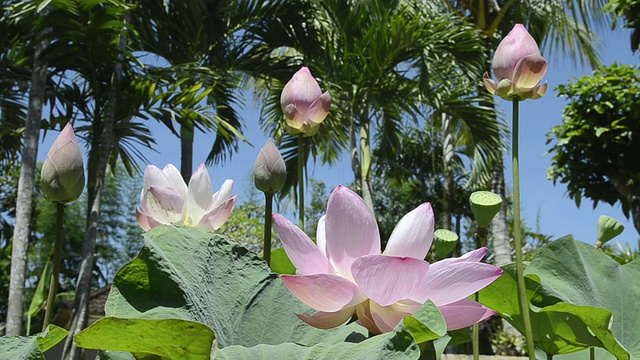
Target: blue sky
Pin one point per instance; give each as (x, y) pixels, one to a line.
(558, 215)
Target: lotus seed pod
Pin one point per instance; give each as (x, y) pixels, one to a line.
(485, 205)
(445, 242)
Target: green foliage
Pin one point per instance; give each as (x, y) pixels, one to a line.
(153, 336)
(173, 284)
(595, 149)
(246, 222)
(280, 262)
(622, 254)
(416, 175)
(580, 298)
(629, 11)
(31, 347)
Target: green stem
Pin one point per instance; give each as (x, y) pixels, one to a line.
(268, 209)
(549, 356)
(592, 353)
(301, 180)
(57, 254)
(476, 337)
(481, 241)
(517, 238)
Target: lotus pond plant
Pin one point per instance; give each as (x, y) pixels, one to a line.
(193, 294)
(344, 274)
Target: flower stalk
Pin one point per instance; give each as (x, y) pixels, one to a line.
(269, 175)
(268, 209)
(55, 273)
(301, 165)
(517, 236)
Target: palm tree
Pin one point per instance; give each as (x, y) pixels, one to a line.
(566, 28)
(369, 56)
(208, 44)
(26, 181)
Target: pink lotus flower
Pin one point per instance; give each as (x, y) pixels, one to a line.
(303, 103)
(519, 67)
(166, 200)
(345, 274)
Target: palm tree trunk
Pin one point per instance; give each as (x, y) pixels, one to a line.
(355, 157)
(447, 155)
(499, 228)
(26, 183)
(365, 163)
(100, 161)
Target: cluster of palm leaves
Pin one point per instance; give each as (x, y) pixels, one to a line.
(393, 67)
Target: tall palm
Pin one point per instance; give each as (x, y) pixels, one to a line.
(209, 44)
(15, 30)
(564, 28)
(367, 54)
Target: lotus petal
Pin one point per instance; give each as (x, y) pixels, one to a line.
(324, 292)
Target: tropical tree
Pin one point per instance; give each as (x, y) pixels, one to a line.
(24, 202)
(417, 175)
(210, 46)
(629, 11)
(564, 28)
(594, 149)
(367, 54)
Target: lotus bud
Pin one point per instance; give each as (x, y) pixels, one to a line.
(484, 205)
(608, 228)
(62, 175)
(303, 103)
(519, 67)
(269, 172)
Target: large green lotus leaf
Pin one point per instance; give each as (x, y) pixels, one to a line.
(560, 328)
(424, 325)
(573, 272)
(600, 354)
(31, 347)
(280, 263)
(396, 345)
(167, 338)
(114, 355)
(184, 273)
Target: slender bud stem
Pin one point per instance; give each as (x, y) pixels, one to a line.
(57, 254)
(301, 164)
(268, 209)
(476, 338)
(517, 238)
(481, 240)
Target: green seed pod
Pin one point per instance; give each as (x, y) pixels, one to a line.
(445, 241)
(485, 205)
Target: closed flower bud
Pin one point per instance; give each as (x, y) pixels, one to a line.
(62, 175)
(269, 172)
(519, 67)
(303, 103)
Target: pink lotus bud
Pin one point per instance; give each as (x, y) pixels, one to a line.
(519, 67)
(303, 103)
(269, 172)
(62, 175)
